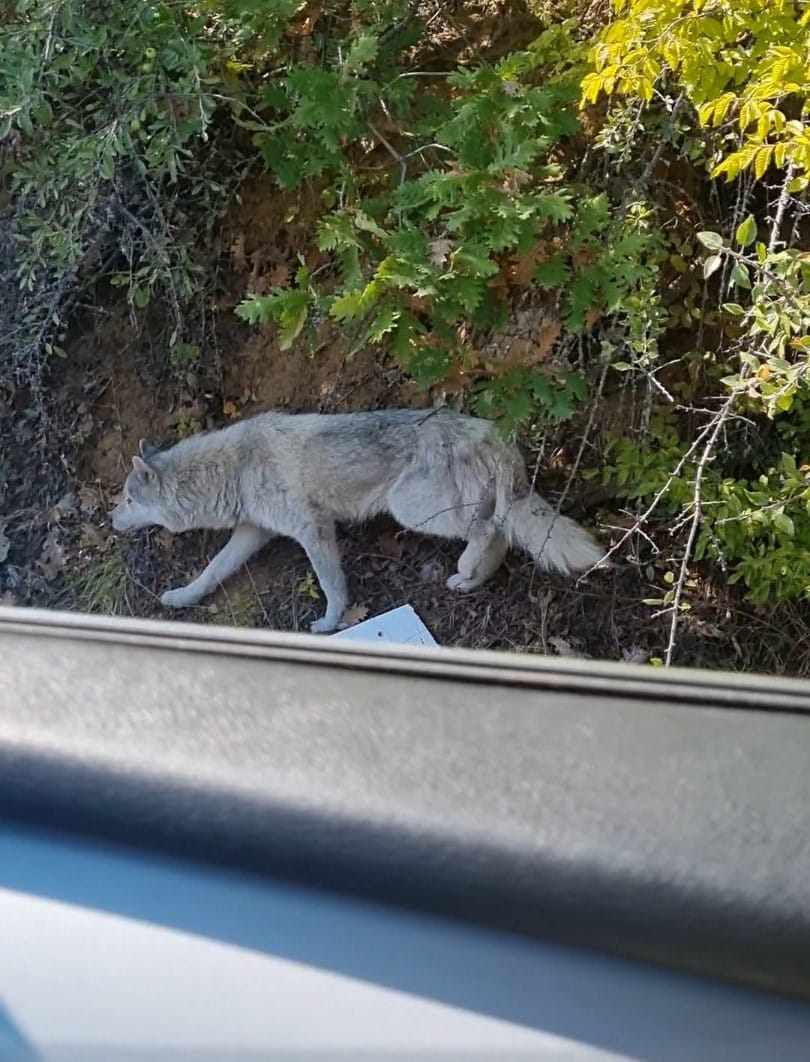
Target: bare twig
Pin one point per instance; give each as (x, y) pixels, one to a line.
(716, 426)
(597, 398)
(781, 207)
(392, 151)
(660, 494)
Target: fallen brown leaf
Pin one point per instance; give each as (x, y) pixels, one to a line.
(519, 351)
(500, 282)
(546, 338)
(163, 539)
(564, 648)
(584, 256)
(354, 614)
(279, 277)
(431, 572)
(238, 257)
(52, 558)
(85, 425)
(66, 506)
(514, 180)
(522, 267)
(95, 538)
(591, 317)
(635, 655)
(88, 499)
(390, 545)
(306, 27)
(456, 381)
(439, 250)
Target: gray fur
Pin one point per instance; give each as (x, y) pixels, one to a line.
(437, 472)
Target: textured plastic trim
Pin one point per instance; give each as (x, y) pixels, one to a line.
(658, 817)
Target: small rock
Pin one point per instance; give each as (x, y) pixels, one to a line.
(431, 572)
(635, 655)
(564, 648)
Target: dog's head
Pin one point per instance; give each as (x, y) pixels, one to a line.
(143, 503)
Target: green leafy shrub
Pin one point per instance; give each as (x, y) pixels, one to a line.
(427, 258)
(743, 481)
(103, 110)
(120, 123)
(755, 529)
(742, 65)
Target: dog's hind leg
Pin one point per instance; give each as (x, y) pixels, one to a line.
(243, 543)
(483, 556)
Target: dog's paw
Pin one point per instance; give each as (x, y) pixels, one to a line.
(323, 626)
(462, 585)
(175, 598)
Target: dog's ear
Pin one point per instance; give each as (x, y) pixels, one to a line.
(143, 471)
(147, 449)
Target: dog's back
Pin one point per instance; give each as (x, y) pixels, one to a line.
(348, 463)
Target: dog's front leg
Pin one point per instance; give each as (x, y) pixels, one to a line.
(243, 543)
(320, 543)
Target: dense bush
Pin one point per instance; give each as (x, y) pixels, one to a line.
(740, 73)
(432, 251)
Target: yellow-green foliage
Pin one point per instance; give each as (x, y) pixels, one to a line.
(743, 64)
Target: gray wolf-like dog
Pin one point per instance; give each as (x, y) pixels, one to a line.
(435, 471)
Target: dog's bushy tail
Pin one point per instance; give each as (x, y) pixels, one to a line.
(557, 543)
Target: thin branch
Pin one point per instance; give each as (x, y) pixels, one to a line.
(660, 494)
(392, 151)
(399, 159)
(781, 207)
(697, 513)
